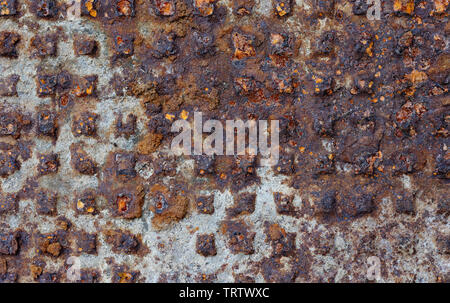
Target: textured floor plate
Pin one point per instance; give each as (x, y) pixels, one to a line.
(88, 95)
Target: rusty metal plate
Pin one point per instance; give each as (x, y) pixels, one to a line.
(89, 183)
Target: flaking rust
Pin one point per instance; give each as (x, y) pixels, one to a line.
(86, 110)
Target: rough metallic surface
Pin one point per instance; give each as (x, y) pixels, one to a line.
(86, 171)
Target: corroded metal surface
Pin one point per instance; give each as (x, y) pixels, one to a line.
(85, 115)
